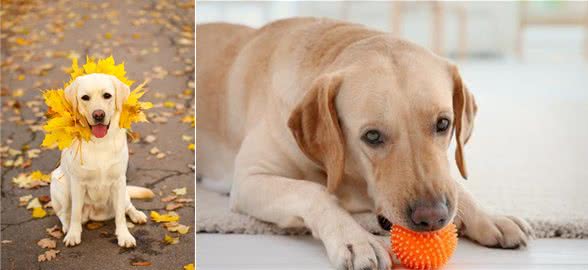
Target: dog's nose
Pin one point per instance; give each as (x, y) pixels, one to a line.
(429, 216)
(98, 115)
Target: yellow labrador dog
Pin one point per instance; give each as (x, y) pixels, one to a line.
(314, 119)
(95, 188)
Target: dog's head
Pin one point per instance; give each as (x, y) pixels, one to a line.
(387, 115)
(99, 99)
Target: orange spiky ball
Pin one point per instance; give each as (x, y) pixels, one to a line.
(427, 250)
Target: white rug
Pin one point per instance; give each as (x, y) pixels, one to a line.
(528, 155)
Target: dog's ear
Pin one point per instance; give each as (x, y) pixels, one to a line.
(122, 92)
(464, 110)
(71, 95)
(315, 126)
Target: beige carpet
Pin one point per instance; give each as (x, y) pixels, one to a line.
(213, 216)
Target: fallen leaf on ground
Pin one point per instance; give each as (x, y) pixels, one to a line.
(26, 181)
(44, 199)
(150, 138)
(48, 255)
(141, 264)
(184, 200)
(163, 218)
(38, 175)
(188, 119)
(161, 155)
(177, 227)
(39, 212)
(154, 151)
(169, 198)
(171, 240)
(189, 266)
(179, 191)
(169, 104)
(187, 138)
(94, 225)
(34, 203)
(33, 153)
(173, 206)
(6, 241)
(191, 146)
(47, 243)
(55, 232)
(18, 93)
(24, 200)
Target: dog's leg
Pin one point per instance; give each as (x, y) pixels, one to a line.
(60, 199)
(135, 215)
(295, 203)
(125, 239)
(490, 230)
(74, 234)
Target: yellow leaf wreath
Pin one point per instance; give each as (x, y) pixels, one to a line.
(65, 125)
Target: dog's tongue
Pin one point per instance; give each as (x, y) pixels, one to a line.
(99, 130)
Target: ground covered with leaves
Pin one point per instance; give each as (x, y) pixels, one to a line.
(155, 39)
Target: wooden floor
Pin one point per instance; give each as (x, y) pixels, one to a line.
(217, 251)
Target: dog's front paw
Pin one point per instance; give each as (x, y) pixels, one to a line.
(73, 237)
(500, 231)
(126, 240)
(358, 251)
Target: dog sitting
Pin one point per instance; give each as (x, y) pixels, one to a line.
(93, 186)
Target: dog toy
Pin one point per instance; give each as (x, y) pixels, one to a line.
(427, 250)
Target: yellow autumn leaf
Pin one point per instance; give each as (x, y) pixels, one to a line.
(18, 93)
(191, 146)
(108, 35)
(133, 108)
(39, 212)
(106, 66)
(26, 181)
(22, 42)
(163, 218)
(21, 77)
(189, 119)
(189, 266)
(176, 227)
(64, 125)
(171, 240)
(38, 175)
(179, 191)
(169, 104)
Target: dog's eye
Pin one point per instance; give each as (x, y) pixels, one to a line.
(373, 137)
(85, 97)
(107, 95)
(442, 125)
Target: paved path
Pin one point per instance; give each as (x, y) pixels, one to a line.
(155, 40)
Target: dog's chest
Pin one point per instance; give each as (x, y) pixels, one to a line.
(102, 171)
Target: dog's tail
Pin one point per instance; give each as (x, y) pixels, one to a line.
(136, 192)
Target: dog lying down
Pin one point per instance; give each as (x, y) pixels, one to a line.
(311, 120)
(93, 186)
